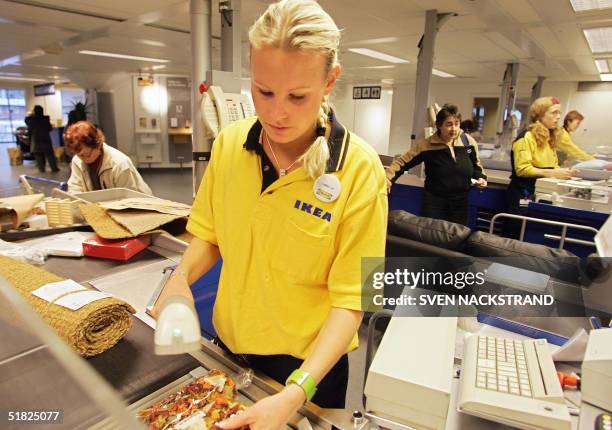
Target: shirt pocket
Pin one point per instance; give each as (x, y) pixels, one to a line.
(302, 251)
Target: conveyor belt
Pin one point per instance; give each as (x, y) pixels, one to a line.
(134, 370)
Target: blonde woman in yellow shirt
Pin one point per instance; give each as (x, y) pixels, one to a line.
(534, 155)
(291, 200)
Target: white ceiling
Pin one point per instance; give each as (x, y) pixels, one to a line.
(39, 36)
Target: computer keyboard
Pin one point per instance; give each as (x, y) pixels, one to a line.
(513, 382)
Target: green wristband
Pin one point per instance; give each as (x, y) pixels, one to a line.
(305, 381)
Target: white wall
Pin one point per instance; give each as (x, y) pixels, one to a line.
(595, 129)
(370, 119)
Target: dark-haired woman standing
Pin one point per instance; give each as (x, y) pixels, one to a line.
(451, 166)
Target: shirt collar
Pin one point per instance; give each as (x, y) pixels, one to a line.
(338, 142)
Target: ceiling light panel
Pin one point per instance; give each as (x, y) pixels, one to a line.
(442, 74)
(586, 5)
(379, 55)
(599, 39)
(123, 56)
(606, 76)
(602, 66)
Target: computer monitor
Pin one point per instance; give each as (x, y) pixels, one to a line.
(603, 239)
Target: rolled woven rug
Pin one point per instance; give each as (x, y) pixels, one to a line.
(90, 330)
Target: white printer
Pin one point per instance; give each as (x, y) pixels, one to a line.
(597, 369)
(410, 378)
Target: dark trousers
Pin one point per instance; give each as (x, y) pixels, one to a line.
(331, 391)
(514, 194)
(452, 208)
(40, 160)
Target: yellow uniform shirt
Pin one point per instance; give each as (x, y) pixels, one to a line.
(528, 156)
(288, 257)
(566, 145)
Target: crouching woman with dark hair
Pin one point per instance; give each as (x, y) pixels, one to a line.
(451, 163)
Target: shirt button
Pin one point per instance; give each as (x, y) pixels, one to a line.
(266, 167)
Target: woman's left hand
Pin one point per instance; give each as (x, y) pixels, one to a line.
(481, 183)
(270, 413)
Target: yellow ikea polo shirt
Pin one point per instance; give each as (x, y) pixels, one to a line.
(288, 257)
(528, 155)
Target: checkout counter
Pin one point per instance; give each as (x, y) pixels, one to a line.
(586, 202)
(42, 373)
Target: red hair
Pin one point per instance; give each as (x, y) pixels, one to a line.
(571, 116)
(83, 133)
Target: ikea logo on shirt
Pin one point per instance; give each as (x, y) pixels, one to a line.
(312, 210)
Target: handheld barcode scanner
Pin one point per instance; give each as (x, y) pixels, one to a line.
(178, 328)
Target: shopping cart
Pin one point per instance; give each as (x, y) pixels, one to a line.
(33, 185)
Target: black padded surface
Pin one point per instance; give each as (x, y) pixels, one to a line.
(436, 232)
(134, 370)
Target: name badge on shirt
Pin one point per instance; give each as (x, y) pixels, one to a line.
(327, 188)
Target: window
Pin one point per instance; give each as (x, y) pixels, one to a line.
(69, 99)
(12, 113)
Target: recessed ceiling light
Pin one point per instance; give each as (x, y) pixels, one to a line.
(602, 66)
(442, 74)
(46, 67)
(606, 76)
(375, 67)
(599, 39)
(584, 5)
(378, 55)
(123, 56)
(158, 67)
(15, 78)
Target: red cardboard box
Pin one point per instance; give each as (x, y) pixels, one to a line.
(115, 249)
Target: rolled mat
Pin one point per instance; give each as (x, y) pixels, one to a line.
(90, 330)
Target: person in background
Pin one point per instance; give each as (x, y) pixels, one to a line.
(534, 156)
(469, 127)
(566, 148)
(452, 165)
(39, 127)
(98, 166)
(292, 201)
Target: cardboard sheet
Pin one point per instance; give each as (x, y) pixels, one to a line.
(149, 204)
(13, 210)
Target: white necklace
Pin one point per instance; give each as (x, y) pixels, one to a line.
(281, 171)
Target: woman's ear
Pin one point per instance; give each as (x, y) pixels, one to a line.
(332, 77)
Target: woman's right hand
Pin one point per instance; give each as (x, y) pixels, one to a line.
(177, 285)
(564, 173)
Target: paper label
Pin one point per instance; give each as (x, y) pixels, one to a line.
(52, 291)
(78, 300)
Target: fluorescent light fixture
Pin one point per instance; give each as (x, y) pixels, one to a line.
(13, 78)
(599, 39)
(375, 67)
(387, 81)
(158, 67)
(442, 74)
(602, 66)
(123, 56)
(378, 55)
(606, 76)
(585, 5)
(45, 67)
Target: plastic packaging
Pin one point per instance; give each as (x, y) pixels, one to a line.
(23, 253)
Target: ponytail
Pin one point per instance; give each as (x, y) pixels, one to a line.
(314, 160)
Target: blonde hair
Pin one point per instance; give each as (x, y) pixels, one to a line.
(537, 110)
(302, 25)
